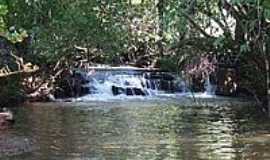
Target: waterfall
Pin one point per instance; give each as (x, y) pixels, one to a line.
(209, 88)
(122, 84)
(129, 82)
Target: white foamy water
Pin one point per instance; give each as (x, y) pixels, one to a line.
(125, 83)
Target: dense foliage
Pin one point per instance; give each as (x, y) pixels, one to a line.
(59, 35)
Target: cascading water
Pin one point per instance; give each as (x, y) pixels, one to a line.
(210, 89)
(128, 82)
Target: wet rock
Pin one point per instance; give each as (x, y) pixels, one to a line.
(117, 90)
(161, 81)
(151, 84)
(140, 92)
(135, 91)
(167, 86)
(159, 75)
(85, 90)
(129, 91)
(227, 83)
(72, 84)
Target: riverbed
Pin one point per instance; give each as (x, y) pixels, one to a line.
(135, 130)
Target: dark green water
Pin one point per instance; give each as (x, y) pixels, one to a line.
(134, 131)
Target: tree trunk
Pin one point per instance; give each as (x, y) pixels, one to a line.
(160, 8)
(267, 70)
(266, 49)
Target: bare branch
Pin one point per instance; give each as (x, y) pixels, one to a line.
(21, 67)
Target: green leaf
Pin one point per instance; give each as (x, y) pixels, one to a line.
(266, 4)
(244, 48)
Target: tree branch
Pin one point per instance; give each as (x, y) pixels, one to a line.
(197, 26)
(22, 67)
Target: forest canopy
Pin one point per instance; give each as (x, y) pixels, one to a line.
(169, 34)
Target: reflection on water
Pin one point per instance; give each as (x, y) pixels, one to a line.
(138, 131)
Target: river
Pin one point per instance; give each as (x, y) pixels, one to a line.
(135, 130)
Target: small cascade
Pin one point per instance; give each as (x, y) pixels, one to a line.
(129, 82)
(210, 89)
(125, 82)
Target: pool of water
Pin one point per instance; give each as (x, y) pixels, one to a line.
(130, 130)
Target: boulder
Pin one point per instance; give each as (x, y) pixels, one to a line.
(117, 90)
(129, 91)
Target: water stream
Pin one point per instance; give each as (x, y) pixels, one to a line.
(135, 130)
